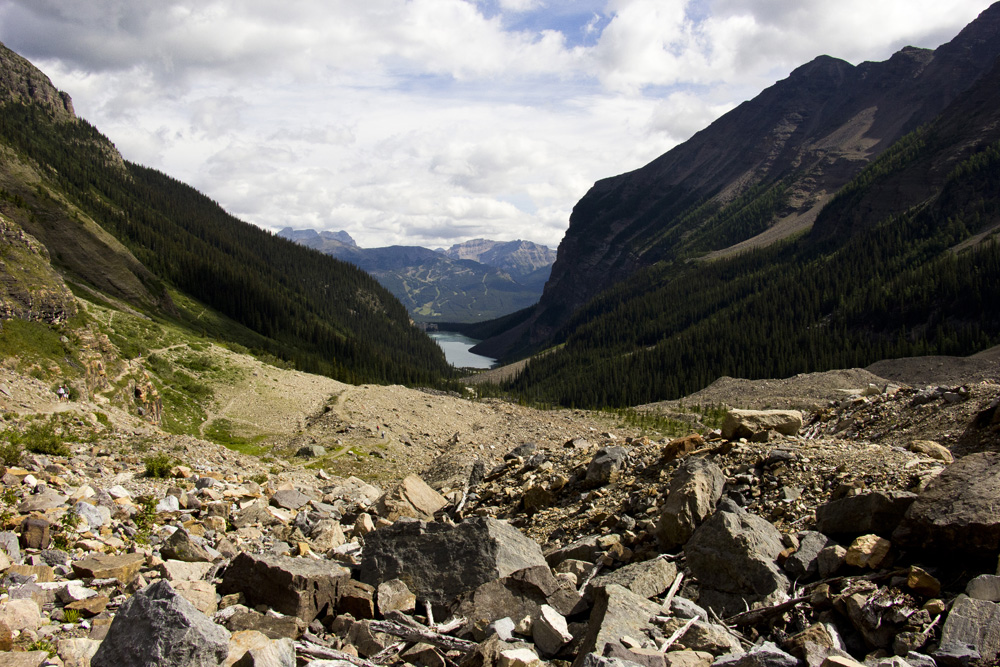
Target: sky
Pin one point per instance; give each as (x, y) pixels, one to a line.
(431, 122)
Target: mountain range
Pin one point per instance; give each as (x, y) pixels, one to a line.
(469, 282)
(846, 213)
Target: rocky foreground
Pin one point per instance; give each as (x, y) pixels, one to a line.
(825, 538)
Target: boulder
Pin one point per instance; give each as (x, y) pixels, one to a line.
(289, 499)
(77, 652)
(311, 451)
(694, 492)
(299, 587)
(704, 636)
(156, 626)
(617, 612)
(253, 514)
(868, 551)
(549, 631)
(877, 512)
(180, 546)
(25, 659)
(750, 424)
(606, 465)
(984, 587)
(520, 594)
(393, 595)
(177, 570)
(125, 568)
(411, 498)
(438, 561)
(733, 557)
(647, 579)
(454, 469)
(975, 623)
(931, 449)
(956, 513)
(20, 615)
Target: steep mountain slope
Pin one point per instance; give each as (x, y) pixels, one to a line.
(903, 261)
(120, 232)
(436, 287)
(758, 174)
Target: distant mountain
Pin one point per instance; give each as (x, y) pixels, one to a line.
(75, 216)
(759, 174)
(316, 240)
(470, 282)
(845, 215)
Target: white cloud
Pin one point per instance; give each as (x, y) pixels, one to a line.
(431, 121)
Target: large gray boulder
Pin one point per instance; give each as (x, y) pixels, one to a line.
(732, 555)
(694, 492)
(617, 612)
(957, 513)
(647, 579)
(522, 593)
(606, 465)
(876, 512)
(438, 561)
(156, 627)
(975, 623)
(299, 587)
(751, 424)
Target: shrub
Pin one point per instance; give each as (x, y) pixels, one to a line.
(158, 465)
(10, 453)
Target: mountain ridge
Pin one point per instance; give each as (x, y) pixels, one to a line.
(798, 142)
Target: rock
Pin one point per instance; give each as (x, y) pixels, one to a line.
(363, 525)
(878, 512)
(254, 514)
(549, 631)
(805, 561)
(26, 659)
(168, 504)
(931, 449)
(647, 579)
(975, 623)
(36, 533)
(733, 557)
(765, 655)
(596, 660)
(585, 549)
(275, 627)
(393, 595)
(694, 492)
(684, 608)
(617, 612)
(688, 659)
(503, 628)
(638, 656)
(983, 587)
(201, 594)
(40, 502)
(921, 582)
(605, 467)
(89, 607)
(704, 636)
(868, 551)
(751, 423)
(439, 561)
(298, 587)
(956, 513)
(367, 641)
(357, 599)
(275, 653)
(156, 626)
(125, 568)
(455, 469)
(9, 545)
(410, 498)
(311, 451)
(956, 655)
(520, 595)
(831, 559)
(486, 654)
(518, 657)
(841, 661)
(77, 652)
(289, 499)
(95, 515)
(180, 546)
(176, 570)
(20, 615)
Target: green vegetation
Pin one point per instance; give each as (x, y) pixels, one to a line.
(220, 431)
(870, 282)
(271, 295)
(39, 437)
(159, 465)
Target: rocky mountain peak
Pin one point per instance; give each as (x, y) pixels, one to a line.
(23, 82)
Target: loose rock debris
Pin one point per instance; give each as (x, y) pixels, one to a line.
(822, 538)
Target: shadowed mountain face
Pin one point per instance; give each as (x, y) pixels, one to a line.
(473, 281)
(759, 174)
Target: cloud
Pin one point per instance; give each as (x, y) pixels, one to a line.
(431, 121)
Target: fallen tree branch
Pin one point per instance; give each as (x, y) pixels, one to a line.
(674, 587)
(315, 650)
(389, 653)
(678, 633)
(590, 577)
(755, 616)
(425, 636)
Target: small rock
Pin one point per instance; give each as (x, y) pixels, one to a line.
(868, 551)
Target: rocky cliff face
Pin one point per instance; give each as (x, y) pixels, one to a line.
(29, 288)
(518, 258)
(22, 81)
(758, 174)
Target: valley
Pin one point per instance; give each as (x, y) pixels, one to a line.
(748, 416)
